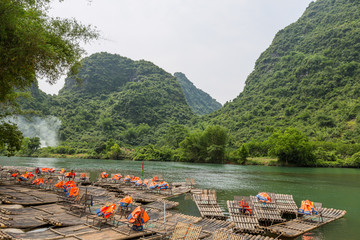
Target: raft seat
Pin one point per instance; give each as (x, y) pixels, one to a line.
(84, 201)
(100, 221)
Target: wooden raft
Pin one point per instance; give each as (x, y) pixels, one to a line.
(286, 204)
(160, 204)
(243, 222)
(225, 235)
(17, 194)
(266, 212)
(208, 205)
(83, 232)
(30, 217)
(299, 226)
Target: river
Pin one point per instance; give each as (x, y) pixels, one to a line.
(335, 187)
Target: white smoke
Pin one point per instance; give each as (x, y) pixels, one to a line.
(45, 128)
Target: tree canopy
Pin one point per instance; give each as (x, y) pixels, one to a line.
(33, 45)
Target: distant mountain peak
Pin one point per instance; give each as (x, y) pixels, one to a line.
(200, 102)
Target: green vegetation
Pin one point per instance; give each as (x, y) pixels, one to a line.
(300, 104)
(199, 101)
(308, 78)
(32, 44)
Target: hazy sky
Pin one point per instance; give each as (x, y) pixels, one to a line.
(215, 43)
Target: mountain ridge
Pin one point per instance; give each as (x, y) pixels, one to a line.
(200, 102)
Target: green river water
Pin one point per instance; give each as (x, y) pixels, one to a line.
(334, 187)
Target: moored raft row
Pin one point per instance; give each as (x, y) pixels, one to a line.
(266, 212)
(207, 205)
(265, 217)
(244, 222)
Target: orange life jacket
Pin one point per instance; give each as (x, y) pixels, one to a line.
(134, 179)
(104, 175)
(138, 217)
(107, 211)
(52, 170)
(14, 174)
(36, 181)
(83, 175)
(155, 179)
(60, 184)
(127, 200)
(117, 176)
(74, 191)
(45, 169)
(62, 171)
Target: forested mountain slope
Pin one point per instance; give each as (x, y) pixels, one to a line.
(199, 101)
(308, 78)
(117, 98)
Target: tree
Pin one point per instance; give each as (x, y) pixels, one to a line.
(115, 152)
(291, 146)
(10, 138)
(175, 135)
(32, 45)
(243, 154)
(206, 146)
(34, 144)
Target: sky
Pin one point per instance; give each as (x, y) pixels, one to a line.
(215, 43)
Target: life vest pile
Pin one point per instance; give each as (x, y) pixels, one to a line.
(68, 185)
(117, 177)
(153, 185)
(244, 207)
(127, 178)
(126, 201)
(70, 174)
(60, 184)
(73, 191)
(134, 179)
(62, 171)
(139, 182)
(104, 175)
(307, 207)
(264, 197)
(106, 211)
(138, 217)
(26, 176)
(38, 181)
(155, 179)
(145, 182)
(14, 174)
(163, 185)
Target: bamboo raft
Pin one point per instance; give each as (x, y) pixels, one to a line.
(208, 205)
(298, 226)
(244, 222)
(44, 208)
(268, 212)
(286, 204)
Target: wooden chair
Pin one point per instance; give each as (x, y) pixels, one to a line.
(83, 178)
(81, 203)
(96, 220)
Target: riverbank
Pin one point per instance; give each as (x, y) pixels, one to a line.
(263, 161)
